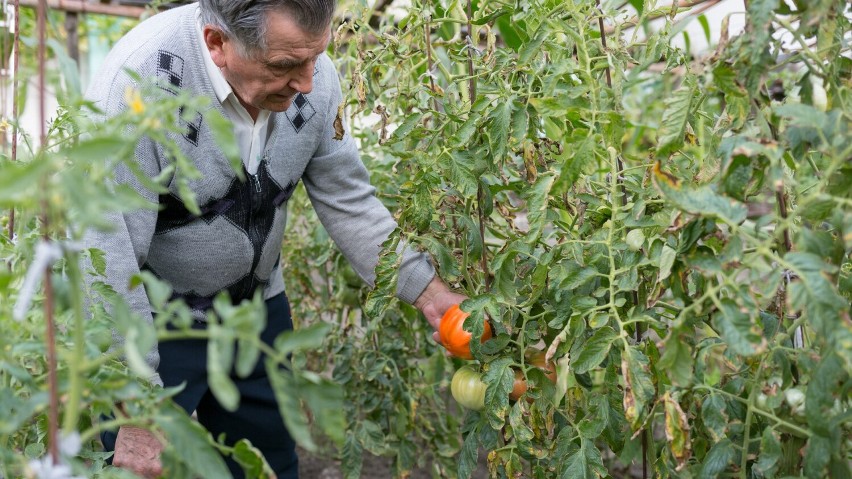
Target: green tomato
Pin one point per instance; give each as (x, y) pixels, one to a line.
(468, 389)
(796, 400)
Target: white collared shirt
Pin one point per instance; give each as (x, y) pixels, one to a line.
(251, 135)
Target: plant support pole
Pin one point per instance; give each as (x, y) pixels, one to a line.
(50, 338)
(16, 45)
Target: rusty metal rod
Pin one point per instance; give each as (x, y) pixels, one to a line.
(79, 6)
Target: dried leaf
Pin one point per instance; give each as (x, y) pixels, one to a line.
(338, 123)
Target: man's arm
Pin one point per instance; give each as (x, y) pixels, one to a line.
(434, 302)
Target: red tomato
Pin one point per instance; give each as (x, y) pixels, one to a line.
(454, 337)
(536, 358)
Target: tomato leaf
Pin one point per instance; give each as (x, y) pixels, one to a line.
(188, 443)
(720, 455)
(499, 378)
(594, 350)
(675, 116)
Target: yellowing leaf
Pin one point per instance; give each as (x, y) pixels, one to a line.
(677, 431)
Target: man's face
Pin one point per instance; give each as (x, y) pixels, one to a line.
(270, 79)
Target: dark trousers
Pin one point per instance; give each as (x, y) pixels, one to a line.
(257, 418)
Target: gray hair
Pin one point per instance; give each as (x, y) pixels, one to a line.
(244, 21)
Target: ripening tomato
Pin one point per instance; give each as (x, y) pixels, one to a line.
(468, 389)
(536, 358)
(454, 337)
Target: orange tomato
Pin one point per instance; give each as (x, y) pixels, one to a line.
(454, 337)
(536, 358)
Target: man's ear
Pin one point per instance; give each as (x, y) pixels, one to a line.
(215, 41)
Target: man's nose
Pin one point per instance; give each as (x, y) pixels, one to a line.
(303, 78)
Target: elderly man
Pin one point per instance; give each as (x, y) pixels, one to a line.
(263, 65)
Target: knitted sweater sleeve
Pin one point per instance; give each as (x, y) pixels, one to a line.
(339, 188)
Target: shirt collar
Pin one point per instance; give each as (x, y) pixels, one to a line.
(220, 86)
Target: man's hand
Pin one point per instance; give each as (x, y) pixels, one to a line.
(434, 301)
(138, 451)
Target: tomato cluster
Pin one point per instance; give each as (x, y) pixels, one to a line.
(467, 386)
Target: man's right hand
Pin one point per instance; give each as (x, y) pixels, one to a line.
(138, 451)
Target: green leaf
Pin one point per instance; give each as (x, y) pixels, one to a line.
(828, 378)
(677, 360)
(759, 27)
(508, 32)
(667, 259)
(68, 67)
(594, 350)
(701, 200)
(586, 463)
(460, 166)
(673, 125)
(98, 261)
(410, 123)
(324, 399)
(596, 419)
(190, 444)
(302, 339)
(770, 455)
(467, 129)
(570, 275)
(521, 430)
(352, 457)
(21, 180)
(223, 135)
(737, 329)
(501, 118)
(705, 26)
(537, 206)
(533, 47)
(817, 456)
(285, 387)
(370, 435)
(88, 150)
(720, 455)
(639, 5)
(251, 460)
(220, 357)
(499, 378)
(468, 456)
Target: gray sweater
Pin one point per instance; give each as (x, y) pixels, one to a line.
(234, 245)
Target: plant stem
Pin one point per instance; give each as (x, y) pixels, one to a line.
(72, 405)
(429, 64)
(619, 164)
(50, 334)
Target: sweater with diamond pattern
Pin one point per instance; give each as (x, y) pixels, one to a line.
(234, 245)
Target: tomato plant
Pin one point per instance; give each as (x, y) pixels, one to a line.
(671, 229)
